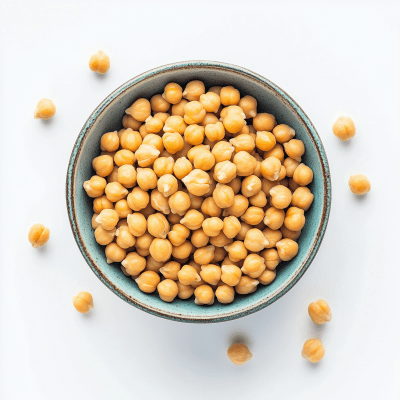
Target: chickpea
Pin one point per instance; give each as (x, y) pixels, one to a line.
(293, 185)
(114, 253)
(143, 242)
(244, 228)
(194, 112)
(235, 184)
(229, 96)
(281, 196)
(243, 143)
(130, 140)
(212, 226)
(210, 273)
(175, 123)
(274, 218)
(38, 235)
(167, 185)
(95, 186)
(294, 149)
(158, 104)
(204, 255)
(103, 165)
(199, 238)
(179, 202)
(344, 128)
(128, 122)
(172, 93)
(253, 266)
(195, 201)
(265, 141)
(163, 166)
(194, 134)
(115, 191)
(288, 234)
(107, 219)
(113, 177)
(319, 312)
(282, 174)
(154, 140)
(234, 122)
(222, 151)
(83, 302)
(158, 226)
(253, 215)
(283, 133)
(246, 285)
(220, 240)
(303, 175)
(232, 110)
(126, 176)
(209, 119)
(197, 182)
(146, 178)
(231, 274)
(219, 254)
(138, 199)
(140, 110)
(143, 131)
(174, 218)
(313, 350)
(137, 224)
(182, 167)
(194, 90)
(125, 239)
(153, 124)
(264, 122)
(210, 101)
(99, 62)
(271, 258)
(359, 184)
(251, 185)
(215, 89)
(238, 208)
(210, 208)
(236, 251)
(215, 131)
(204, 295)
(122, 222)
(271, 168)
(231, 226)
(161, 249)
(277, 152)
(245, 163)
(225, 294)
(178, 108)
(223, 196)
(302, 198)
(255, 240)
(290, 164)
(146, 155)
(204, 160)
(267, 277)
(148, 281)
(239, 353)
(134, 264)
(167, 290)
(124, 157)
(45, 109)
(102, 203)
(188, 275)
(184, 291)
(287, 249)
(182, 251)
(148, 211)
(170, 270)
(178, 234)
(259, 199)
(249, 106)
(192, 219)
(272, 237)
(173, 142)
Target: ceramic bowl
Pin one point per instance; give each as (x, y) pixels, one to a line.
(107, 117)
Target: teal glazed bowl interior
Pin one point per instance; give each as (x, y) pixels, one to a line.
(108, 116)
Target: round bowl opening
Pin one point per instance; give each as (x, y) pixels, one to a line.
(108, 116)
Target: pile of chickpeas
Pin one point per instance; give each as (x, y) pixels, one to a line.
(199, 193)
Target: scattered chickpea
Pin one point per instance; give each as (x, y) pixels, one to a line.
(158, 104)
(99, 62)
(234, 122)
(271, 168)
(167, 185)
(313, 350)
(138, 199)
(163, 166)
(192, 219)
(209, 207)
(245, 163)
(220, 240)
(231, 274)
(130, 140)
(204, 295)
(251, 185)
(83, 302)
(239, 353)
(45, 109)
(129, 122)
(359, 184)
(273, 237)
(249, 106)
(288, 234)
(283, 133)
(127, 176)
(344, 128)
(194, 112)
(194, 90)
(212, 226)
(319, 312)
(38, 235)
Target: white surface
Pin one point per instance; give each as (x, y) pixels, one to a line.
(333, 59)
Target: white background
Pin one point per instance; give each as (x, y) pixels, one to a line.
(333, 59)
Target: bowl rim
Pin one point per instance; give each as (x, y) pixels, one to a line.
(279, 292)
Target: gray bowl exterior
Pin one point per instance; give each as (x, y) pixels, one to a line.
(107, 117)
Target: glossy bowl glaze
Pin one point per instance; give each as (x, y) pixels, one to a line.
(107, 117)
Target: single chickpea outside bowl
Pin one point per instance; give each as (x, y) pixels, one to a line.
(107, 118)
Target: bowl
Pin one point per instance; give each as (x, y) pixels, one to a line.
(107, 117)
